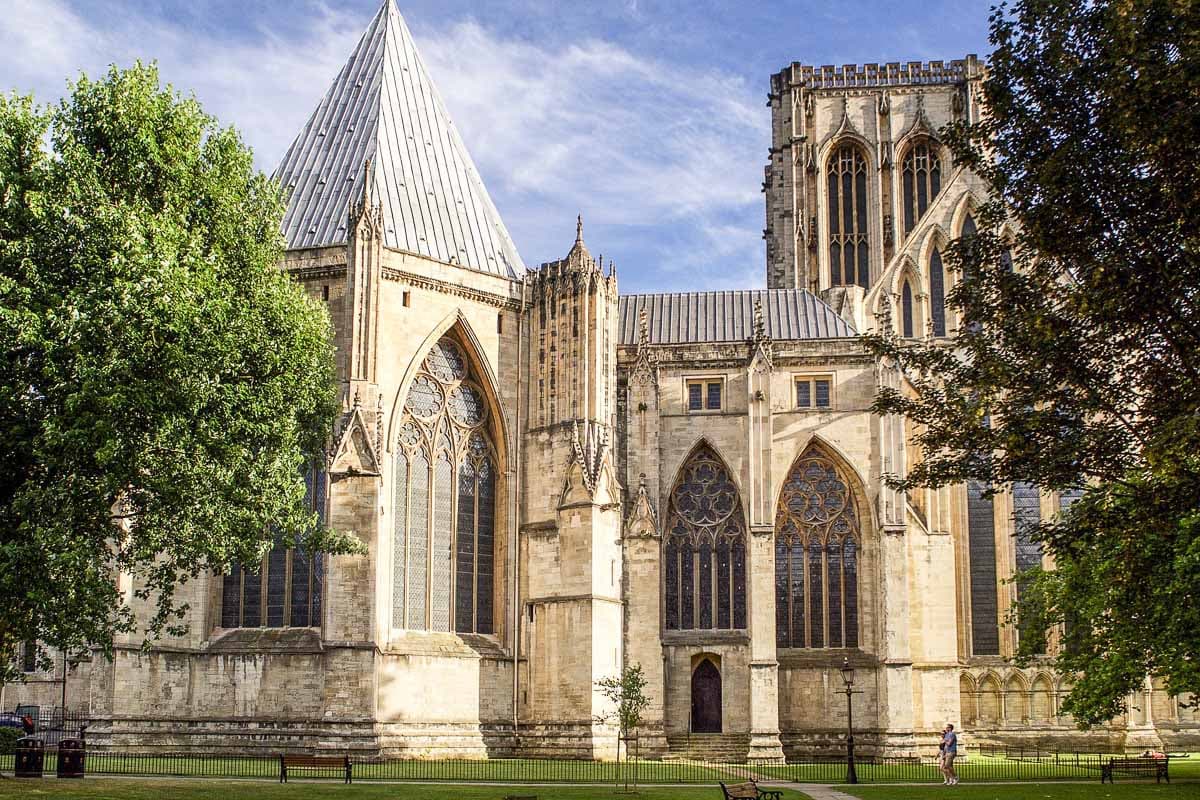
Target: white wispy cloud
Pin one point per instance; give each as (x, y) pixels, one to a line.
(665, 159)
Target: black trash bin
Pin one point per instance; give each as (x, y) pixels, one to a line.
(70, 758)
(31, 758)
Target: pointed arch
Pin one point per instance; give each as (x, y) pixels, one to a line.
(454, 324)
(910, 300)
(447, 454)
(846, 192)
(818, 542)
(968, 699)
(1041, 700)
(1016, 698)
(967, 205)
(922, 176)
(939, 284)
(990, 708)
(704, 546)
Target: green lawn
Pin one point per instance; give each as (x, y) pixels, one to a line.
(976, 769)
(494, 770)
(131, 789)
(1030, 791)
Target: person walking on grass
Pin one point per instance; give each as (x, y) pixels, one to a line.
(949, 751)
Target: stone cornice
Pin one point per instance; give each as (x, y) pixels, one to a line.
(478, 295)
(316, 272)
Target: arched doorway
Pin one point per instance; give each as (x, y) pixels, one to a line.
(706, 698)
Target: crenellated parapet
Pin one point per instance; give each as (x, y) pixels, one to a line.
(573, 312)
(896, 73)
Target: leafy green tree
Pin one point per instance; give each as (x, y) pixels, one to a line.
(164, 383)
(1079, 370)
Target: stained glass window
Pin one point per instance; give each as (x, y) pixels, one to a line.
(444, 497)
(906, 311)
(1027, 515)
(285, 588)
(922, 179)
(981, 541)
(847, 184)
(937, 294)
(705, 550)
(817, 537)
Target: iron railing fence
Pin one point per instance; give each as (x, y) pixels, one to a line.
(1056, 766)
(51, 724)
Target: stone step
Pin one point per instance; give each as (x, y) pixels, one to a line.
(720, 747)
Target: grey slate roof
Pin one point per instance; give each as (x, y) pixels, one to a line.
(729, 316)
(384, 107)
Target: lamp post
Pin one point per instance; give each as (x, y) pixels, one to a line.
(849, 691)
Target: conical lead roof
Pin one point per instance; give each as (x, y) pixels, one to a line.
(383, 107)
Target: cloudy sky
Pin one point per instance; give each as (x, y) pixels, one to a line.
(648, 116)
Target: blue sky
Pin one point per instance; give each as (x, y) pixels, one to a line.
(648, 116)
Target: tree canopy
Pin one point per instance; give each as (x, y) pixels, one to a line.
(1079, 370)
(164, 383)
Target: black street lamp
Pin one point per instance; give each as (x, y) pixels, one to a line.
(849, 691)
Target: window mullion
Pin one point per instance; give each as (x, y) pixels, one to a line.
(806, 569)
(475, 584)
(264, 578)
(791, 602)
(288, 573)
(824, 567)
(431, 494)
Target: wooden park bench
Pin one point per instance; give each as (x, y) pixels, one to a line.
(292, 761)
(1135, 766)
(749, 791)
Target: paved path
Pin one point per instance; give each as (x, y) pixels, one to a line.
(819, 791)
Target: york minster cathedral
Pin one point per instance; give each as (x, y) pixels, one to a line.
(554, 480)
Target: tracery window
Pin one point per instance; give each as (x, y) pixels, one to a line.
(981, 543)
(847, 183)
(444, 501)
(705, 548)
(1027, 515)
(817, 543)
(906, 311)
(286, 589)
(922, 178)
(937, 293)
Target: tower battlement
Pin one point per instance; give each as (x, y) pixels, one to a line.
(896, 73)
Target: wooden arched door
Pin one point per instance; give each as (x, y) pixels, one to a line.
(706, 698)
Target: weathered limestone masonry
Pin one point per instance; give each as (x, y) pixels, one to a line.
(572, 570)
(553, 482)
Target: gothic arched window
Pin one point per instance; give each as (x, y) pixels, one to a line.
(906, 311)
(937, 293)
(705, 548)
(847, 182)
(285, 589)
(922, 178)
(444, 501)
(817, 542)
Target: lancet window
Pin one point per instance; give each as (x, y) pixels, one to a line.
(847, 184)
(286, 588)
(922, 178)
(818, 538)
(937, 293)
(444, 501)
(906, 310)
(705, 549)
